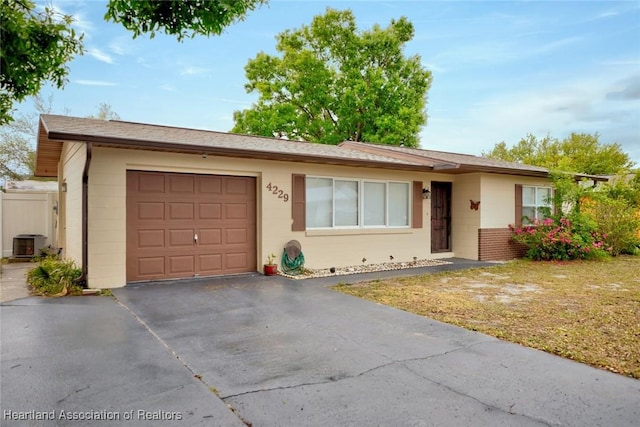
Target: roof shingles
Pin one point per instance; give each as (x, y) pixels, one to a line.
(156, 137)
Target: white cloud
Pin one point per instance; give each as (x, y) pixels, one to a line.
(142, 61)
(82, 24)
(607, 14)
(500, 51)
(122, 46)
(168, 88)
(434, 67)
(100, 55)
(192, 71)
(632, 62)
(95, 83)
(232, 101)
(552, 46)
(596, 103)
(117, 48)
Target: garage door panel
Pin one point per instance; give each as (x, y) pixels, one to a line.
(210, 211)
(236, 236)
(150, 211)
(210, 236)
(150, 239)
(210, 264)
(150, 183)
(181, 183)
(181, 211)
(210, 185)
(180, 238)
(181, 264)
(236, 186)
(236, 261)
(166, 210)
(236, 211)
(151, 266)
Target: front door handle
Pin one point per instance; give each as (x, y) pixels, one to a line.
(195, 238)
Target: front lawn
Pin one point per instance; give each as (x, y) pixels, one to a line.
(588, 311)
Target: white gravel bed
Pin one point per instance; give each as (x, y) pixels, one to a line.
(364, 268)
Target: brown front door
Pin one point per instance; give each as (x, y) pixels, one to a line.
(185, 225)
(440, 217)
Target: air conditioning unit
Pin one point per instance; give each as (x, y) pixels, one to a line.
(28, 245)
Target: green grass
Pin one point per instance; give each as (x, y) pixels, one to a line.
(587, 311)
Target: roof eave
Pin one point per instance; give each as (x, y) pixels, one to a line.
(510, 171)
(48, 153)
(122, 143)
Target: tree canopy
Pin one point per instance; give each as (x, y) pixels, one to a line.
(178, 17)
(332, 83)
(34, 48)
(579, 152)
(18, 138)
(105, 112)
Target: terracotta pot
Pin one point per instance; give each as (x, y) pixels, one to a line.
(270, 269)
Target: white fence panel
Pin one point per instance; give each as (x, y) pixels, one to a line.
(27, 213)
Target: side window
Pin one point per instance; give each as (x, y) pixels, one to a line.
(536, 204)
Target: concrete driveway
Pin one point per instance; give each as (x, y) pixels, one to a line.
(284, 353)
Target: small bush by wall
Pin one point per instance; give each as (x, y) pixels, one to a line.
(561, 238)
(54, 277)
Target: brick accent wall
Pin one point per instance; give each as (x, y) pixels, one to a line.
(494, 244)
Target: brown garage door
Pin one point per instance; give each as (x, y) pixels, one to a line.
(184, 225)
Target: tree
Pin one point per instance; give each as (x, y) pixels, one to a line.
(332, 83)
(105, 112)
(607, 208)
(17, 142)
(178, 17)
(18, 138)
(35, 46)
(579, 152)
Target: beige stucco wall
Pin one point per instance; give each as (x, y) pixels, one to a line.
(322, 248)
(496, 193)
(72, 161)
(497, 209)
(107, 212)
(465, 221)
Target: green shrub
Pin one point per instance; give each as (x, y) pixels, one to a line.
(619, 223)
(54, 277)
(561, 238)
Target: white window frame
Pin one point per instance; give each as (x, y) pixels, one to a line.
(537, 207)
(360, 183)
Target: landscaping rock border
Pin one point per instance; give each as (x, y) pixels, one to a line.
(364, 268)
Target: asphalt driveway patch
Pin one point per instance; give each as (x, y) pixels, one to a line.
(88, 357)
(282, 352)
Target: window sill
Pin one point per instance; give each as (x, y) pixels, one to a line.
(358, 232)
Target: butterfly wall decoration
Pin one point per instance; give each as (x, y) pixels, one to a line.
(474, 205)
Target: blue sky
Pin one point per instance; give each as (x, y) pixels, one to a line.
(501, 69)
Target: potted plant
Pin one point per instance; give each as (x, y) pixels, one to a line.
(270, 269)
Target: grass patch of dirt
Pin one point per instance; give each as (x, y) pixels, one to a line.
(587, 311)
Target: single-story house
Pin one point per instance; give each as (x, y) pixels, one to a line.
(142, 202)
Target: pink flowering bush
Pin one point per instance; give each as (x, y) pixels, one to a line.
(561, 238)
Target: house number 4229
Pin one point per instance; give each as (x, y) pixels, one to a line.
(278, 192)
